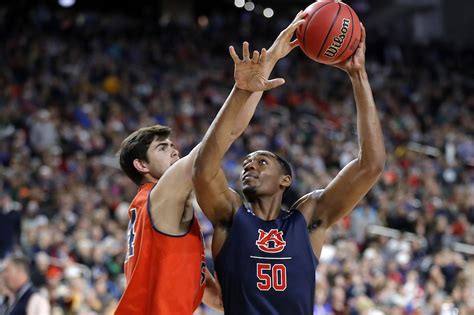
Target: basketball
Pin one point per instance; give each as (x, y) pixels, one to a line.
(331, 32)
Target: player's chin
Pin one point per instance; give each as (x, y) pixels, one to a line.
(249, 190)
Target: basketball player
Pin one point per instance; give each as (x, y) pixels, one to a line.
(165, 267)
(265, 257)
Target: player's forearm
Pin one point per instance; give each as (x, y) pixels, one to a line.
(372, 148)
(246, 112)
(228, 125)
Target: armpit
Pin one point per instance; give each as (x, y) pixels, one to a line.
(315, 224)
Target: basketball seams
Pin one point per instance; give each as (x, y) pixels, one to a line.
(309, 23)
(330, 29)
(325, 42)
(352, 31)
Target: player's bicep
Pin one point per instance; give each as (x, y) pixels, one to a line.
(344, 192)
(216, 199)
(307, 206)
(168, 197)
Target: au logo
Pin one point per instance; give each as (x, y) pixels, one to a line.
(270, 242)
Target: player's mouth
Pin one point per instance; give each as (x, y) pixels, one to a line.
(248, 176)
(172, 162)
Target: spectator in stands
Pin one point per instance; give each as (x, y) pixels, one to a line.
(25, 298)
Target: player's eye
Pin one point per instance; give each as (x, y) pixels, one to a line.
(264, 162)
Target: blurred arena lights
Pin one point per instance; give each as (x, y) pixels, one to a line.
(249, 6)
(268, 12)
(239, 3)
(203, 21)
(66, 3)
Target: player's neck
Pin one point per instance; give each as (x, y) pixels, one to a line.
(148, 179)
(266, 207)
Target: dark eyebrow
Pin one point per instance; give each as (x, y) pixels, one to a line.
(266, 155)
(269, 156)
(165, 144)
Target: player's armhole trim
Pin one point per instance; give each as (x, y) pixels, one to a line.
(229, 235)
(153, 224)
(307, 236)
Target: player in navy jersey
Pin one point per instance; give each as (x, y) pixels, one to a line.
(266, 257)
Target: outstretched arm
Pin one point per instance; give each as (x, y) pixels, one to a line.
(251, 72)
(251, 75)
(212, 192)
(326, 207)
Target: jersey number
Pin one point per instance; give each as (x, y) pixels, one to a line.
(131, 233)
(271, 276)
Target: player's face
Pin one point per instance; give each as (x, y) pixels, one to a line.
(161, 155)
(9, 275)
(261, 175)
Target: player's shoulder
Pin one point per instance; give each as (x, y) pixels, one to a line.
(309, 197)
(308, 203)
(141, 197)
(316, 194)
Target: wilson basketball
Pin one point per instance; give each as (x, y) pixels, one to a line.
(331, 32)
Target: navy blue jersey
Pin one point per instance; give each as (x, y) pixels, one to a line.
(267, 267)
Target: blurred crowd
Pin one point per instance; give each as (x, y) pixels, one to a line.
(75, 84)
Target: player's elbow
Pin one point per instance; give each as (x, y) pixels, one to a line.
(373, 167)
(376, 168)
(373, 160)
(379, 162)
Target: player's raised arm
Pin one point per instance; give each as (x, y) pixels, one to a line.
(343, 193)
(210, 184)
(251, 78)
(167, 199)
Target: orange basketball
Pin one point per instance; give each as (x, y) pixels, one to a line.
(331, 32)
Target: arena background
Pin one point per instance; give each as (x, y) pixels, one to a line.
(76, 78)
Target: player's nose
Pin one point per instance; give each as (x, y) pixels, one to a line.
(249, 166)
(174, 153)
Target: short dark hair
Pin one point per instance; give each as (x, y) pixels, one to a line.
(285, 165)
(136, 145)
(286, 168)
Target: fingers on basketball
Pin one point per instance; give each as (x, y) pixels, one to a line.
(299, 19)
(362, 36)
(294, 43)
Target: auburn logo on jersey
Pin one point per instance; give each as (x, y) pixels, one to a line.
(270, 242)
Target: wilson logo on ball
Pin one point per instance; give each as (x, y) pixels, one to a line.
(337, 41)
(270, 242)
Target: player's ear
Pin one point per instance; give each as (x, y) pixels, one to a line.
(285, 181)
(140, 166)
